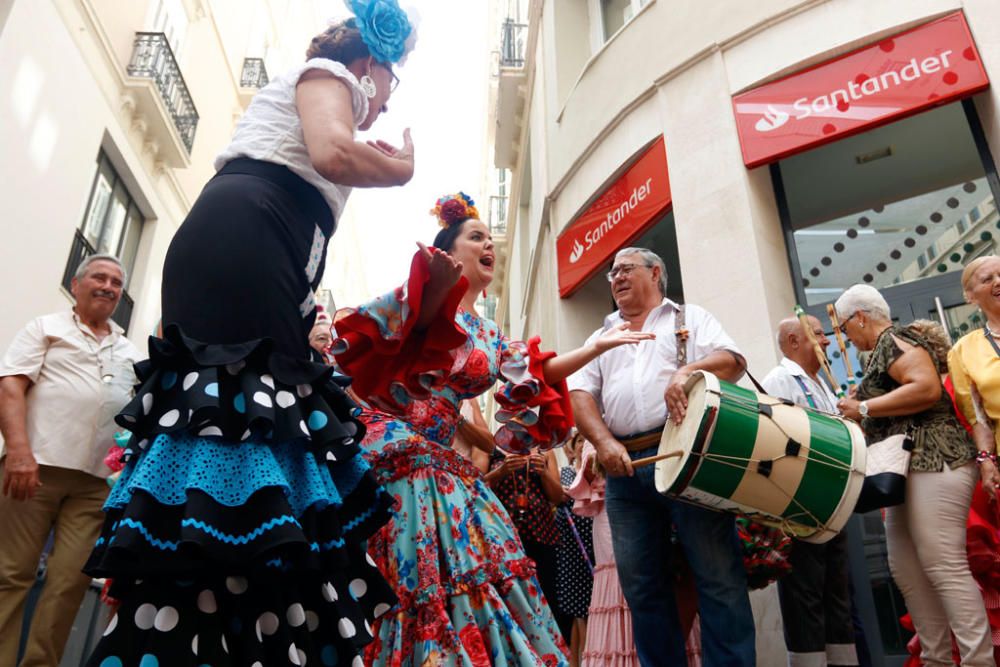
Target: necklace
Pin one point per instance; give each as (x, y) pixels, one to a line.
(521, 499)
(990, 336)
(105, 374)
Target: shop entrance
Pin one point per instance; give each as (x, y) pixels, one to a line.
(903, 208)
(661, 238)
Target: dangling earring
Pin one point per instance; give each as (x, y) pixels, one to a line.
(368, 86)
(484, 293)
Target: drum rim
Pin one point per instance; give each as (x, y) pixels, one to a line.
(706, 427)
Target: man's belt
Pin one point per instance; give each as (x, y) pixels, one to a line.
(644, 440)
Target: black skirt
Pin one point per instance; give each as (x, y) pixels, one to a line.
(235, 535)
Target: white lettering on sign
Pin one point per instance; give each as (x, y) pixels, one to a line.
(842, 97)
(613, 218)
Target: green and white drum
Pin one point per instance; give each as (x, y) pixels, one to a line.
(797, 469)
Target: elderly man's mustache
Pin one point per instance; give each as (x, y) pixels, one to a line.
(107, 294)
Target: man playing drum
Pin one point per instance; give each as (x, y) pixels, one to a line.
(622, 401)
(815, 596)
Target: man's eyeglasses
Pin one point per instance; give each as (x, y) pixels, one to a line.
(623, 269)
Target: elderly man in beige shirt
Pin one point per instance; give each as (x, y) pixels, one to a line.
(62, 381)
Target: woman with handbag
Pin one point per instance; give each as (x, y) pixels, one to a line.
(901, 393)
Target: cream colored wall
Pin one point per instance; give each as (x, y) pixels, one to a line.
(652, 79)
(64, 102)
(52, 122)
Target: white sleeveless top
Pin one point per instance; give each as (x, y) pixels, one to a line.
(271, 130)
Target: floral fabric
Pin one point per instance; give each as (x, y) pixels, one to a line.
(468, 594)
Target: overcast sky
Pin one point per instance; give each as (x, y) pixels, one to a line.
(442, 98)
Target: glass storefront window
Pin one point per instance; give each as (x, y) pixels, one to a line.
(891, 206)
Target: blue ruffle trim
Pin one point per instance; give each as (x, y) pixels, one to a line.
(231, 472)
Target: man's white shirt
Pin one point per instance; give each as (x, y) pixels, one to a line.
(784, 382)
(70, 410)
(628, 382)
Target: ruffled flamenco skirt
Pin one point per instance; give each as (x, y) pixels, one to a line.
(235, 534)
(610, 640)
(468, 595)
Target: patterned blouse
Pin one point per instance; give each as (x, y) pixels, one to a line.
(537, 521)
(937, 434)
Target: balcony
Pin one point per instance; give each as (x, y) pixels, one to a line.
(159, 99)
(498, 215)
(252, 78)
(80, 250)
(512, 36)
(511, 93)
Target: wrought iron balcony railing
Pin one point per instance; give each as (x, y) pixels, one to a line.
(80, 250)
(512, 43)
(153, 58)
(254, 73)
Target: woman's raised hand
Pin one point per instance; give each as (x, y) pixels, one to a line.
(404, 153)
(444, 270)
(620, 335)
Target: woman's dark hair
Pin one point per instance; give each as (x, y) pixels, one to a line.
(445, 239)
(341, 42)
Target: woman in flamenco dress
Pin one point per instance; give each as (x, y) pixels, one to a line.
(235, 534)
(468, 595)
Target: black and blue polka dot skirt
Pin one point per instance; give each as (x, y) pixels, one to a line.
(235, 535)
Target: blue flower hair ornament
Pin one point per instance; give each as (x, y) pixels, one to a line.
(385, 28)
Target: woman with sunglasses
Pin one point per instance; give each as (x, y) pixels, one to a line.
(901, 393)
(235, 535)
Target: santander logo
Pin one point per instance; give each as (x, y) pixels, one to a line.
(772, 120)
(611, 219)
(839, 100)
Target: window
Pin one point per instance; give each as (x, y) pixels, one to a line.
(616, 13)
(893, 221)
(112, 224)
(168, 17)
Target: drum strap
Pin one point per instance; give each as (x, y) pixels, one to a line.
(681, 332)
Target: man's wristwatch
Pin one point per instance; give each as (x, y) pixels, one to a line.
(863, 408)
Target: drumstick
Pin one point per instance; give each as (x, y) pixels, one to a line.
(835, 321)
(638, 463)
(820, 355)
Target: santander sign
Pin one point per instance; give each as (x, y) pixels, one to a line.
(622, 212)
(926, 66)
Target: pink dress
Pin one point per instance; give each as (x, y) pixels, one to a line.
(609, 623)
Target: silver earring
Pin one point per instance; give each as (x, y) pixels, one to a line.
(861, 324)
(368, 86)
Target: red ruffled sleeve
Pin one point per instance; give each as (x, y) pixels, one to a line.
(389, 361)
(533, 413)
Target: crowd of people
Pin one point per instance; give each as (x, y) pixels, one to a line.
(299, 487)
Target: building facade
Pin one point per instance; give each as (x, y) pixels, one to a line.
(113, 114)
(773, 153)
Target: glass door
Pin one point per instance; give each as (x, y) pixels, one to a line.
(902, 208)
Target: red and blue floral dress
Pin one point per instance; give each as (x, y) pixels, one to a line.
(468, 595)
